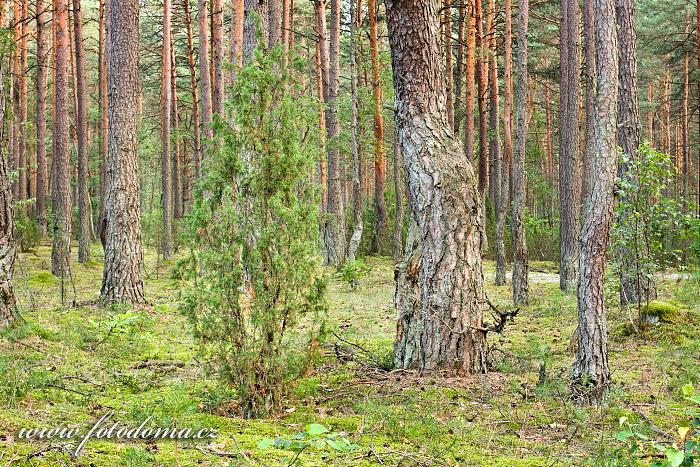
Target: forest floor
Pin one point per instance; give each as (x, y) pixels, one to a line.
(66, 365)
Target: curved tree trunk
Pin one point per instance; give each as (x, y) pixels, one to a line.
(439, 284)
(591, 374)
(520, 260)
(42, 185)
(8, 248)
(121, 280)
(60, 189)
(569, 167)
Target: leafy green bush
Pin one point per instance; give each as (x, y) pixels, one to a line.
(253, 269)
(352, 271)
(26, 229)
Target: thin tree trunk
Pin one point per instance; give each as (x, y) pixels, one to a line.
(84, 232)
(650, 113)
(591, 374)
(482, 72)
(335, 242)
(104, 116)
(42, 186)
(22, 117)
(398, 249)
(322, 91)
(356, 169)
(8, 246)
(61, 187)
(204, 82)
(520, 260)
(380, 212)
(237, 15)
(471, 76)
(15, 97)
(217, 51)
(459, 67)
(507, 164)
(196, 129)
(499, 189)
(449, 77)
(439, 323)
(121, 280)
(166, 88)
(685, 122)
(589, 88)
(569, 166)
(176, 173)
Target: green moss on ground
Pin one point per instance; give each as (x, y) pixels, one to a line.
(61, 365)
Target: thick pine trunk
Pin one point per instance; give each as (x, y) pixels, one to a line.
(520, 260)
(42, 185)
(439, 285)
(380, 212)
(8, 248)
(84, 211)
(591, 374)
(166, 102)
(121, 280)
(334, 232)
(634, 284)
(569, 159)
(61, 187)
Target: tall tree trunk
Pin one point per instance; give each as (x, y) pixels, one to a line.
(250, 27)
(60, 189)
(176, 172)
(650, 113)
(498, 186)
(569, 166)
(322, 91)
(380, 212)
(204, 81)
(449, 77)
(634, 285)
(22, 117)
(507, 164)
(15, 96)
(217, 56)
(84, 232)
(166, 88)
(589, 88)
(196, 130)
(459, 66)
(520, 260)
(591, 374)
(471, 77)
(667, 112)
(439, 285)
(685, 122)
(398, 250)
(335, 243)
(482, 73)
(104, 116)
(274, 14)
(121, 280)
(42, 186)
(237, 15)
(697, 37)
(8, 246)
(356, 169)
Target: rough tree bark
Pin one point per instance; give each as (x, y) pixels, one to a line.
(590, 373)
(380, 211)
(253, 27)
(449, 78)
(520, 260)
(84, 231)
(507, 164)
(589, 99)
(166, 102)
(633, 286)
(334, 232)
(217, 52)
(8, 246)
(61, 186)
(439, 284)
(176, 166)
(569, 166)
(397, 251)
(470, 72)
(121, 280)
(356, 169)
(196, 130)
(104, 147)
(42, 182)
(498, 184)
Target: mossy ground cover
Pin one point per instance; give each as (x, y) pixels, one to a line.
(68, 361)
